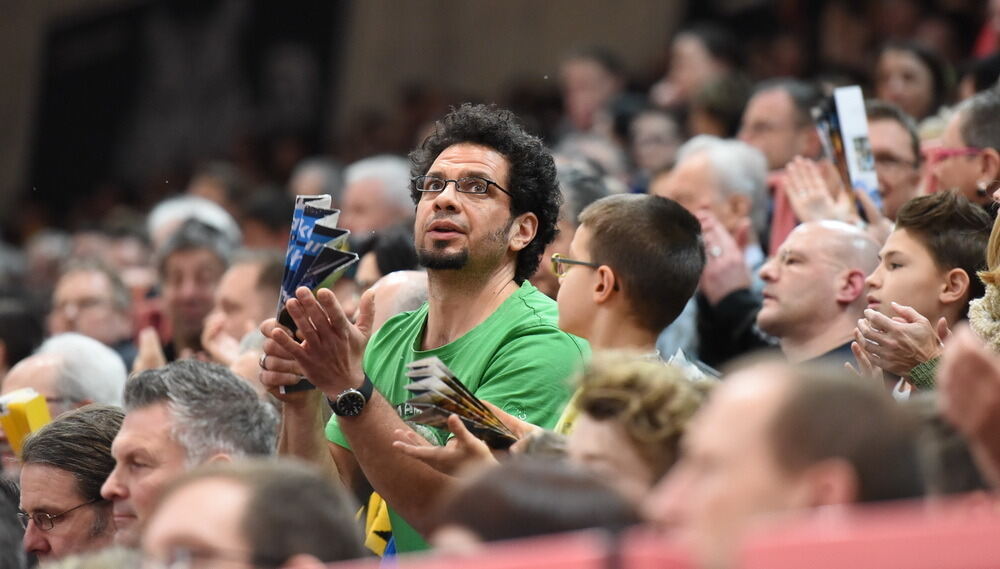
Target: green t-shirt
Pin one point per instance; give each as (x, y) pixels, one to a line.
(518, 359)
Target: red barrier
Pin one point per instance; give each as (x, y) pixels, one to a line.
(957, 535)
(581, 550)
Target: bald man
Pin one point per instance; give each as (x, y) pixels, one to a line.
(815, 291)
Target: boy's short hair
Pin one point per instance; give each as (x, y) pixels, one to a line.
(954, 231)
(654, 246)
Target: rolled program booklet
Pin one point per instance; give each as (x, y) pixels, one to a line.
(316, 257)
(438, 394)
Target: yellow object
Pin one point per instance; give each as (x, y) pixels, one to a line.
(378, 527)
(564, 426)
(22, 412)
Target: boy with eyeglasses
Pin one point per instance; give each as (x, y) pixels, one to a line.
(632, 266)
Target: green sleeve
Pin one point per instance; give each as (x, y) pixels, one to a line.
(528, 377)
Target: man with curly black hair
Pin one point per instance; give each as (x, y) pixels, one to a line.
(531, 188)
(487, 202)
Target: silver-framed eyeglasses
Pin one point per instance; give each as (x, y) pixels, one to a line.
(466, 185)
(44, 521)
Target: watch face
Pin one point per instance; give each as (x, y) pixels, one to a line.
(350, 403)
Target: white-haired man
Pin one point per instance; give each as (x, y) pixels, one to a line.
(724, 183)
(70, 370)
(376, 194)
(727, 178)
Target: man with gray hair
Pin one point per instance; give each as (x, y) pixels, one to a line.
(724, 183)
(69, 370)
(725, 177)
(65, 463)
(177, 417)
(376, 194)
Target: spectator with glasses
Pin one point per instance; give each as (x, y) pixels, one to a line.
(968, 160)
(65, 463)
(91, 299)
(487, 202)
(634, 262)
(896, 148)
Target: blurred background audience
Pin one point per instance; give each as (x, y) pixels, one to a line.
(153, 150)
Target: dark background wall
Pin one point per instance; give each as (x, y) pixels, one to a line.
(84, 80)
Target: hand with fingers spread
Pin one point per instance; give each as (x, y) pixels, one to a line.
(463, 451)
(725, 267)
(329, 353)
(816, 192)
(898, 344)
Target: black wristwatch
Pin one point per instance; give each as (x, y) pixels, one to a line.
(352, 401)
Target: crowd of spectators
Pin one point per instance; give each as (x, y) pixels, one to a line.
(671, 296)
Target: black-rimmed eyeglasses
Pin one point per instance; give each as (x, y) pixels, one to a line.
(561, 265)
(44, 521)
(467, 185)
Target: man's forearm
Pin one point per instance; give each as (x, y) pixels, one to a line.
(408, 485)
(303, 421)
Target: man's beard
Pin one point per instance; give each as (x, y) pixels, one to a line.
(440, 260)
(435, 260)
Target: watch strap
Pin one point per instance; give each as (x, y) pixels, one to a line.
(365, 389)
